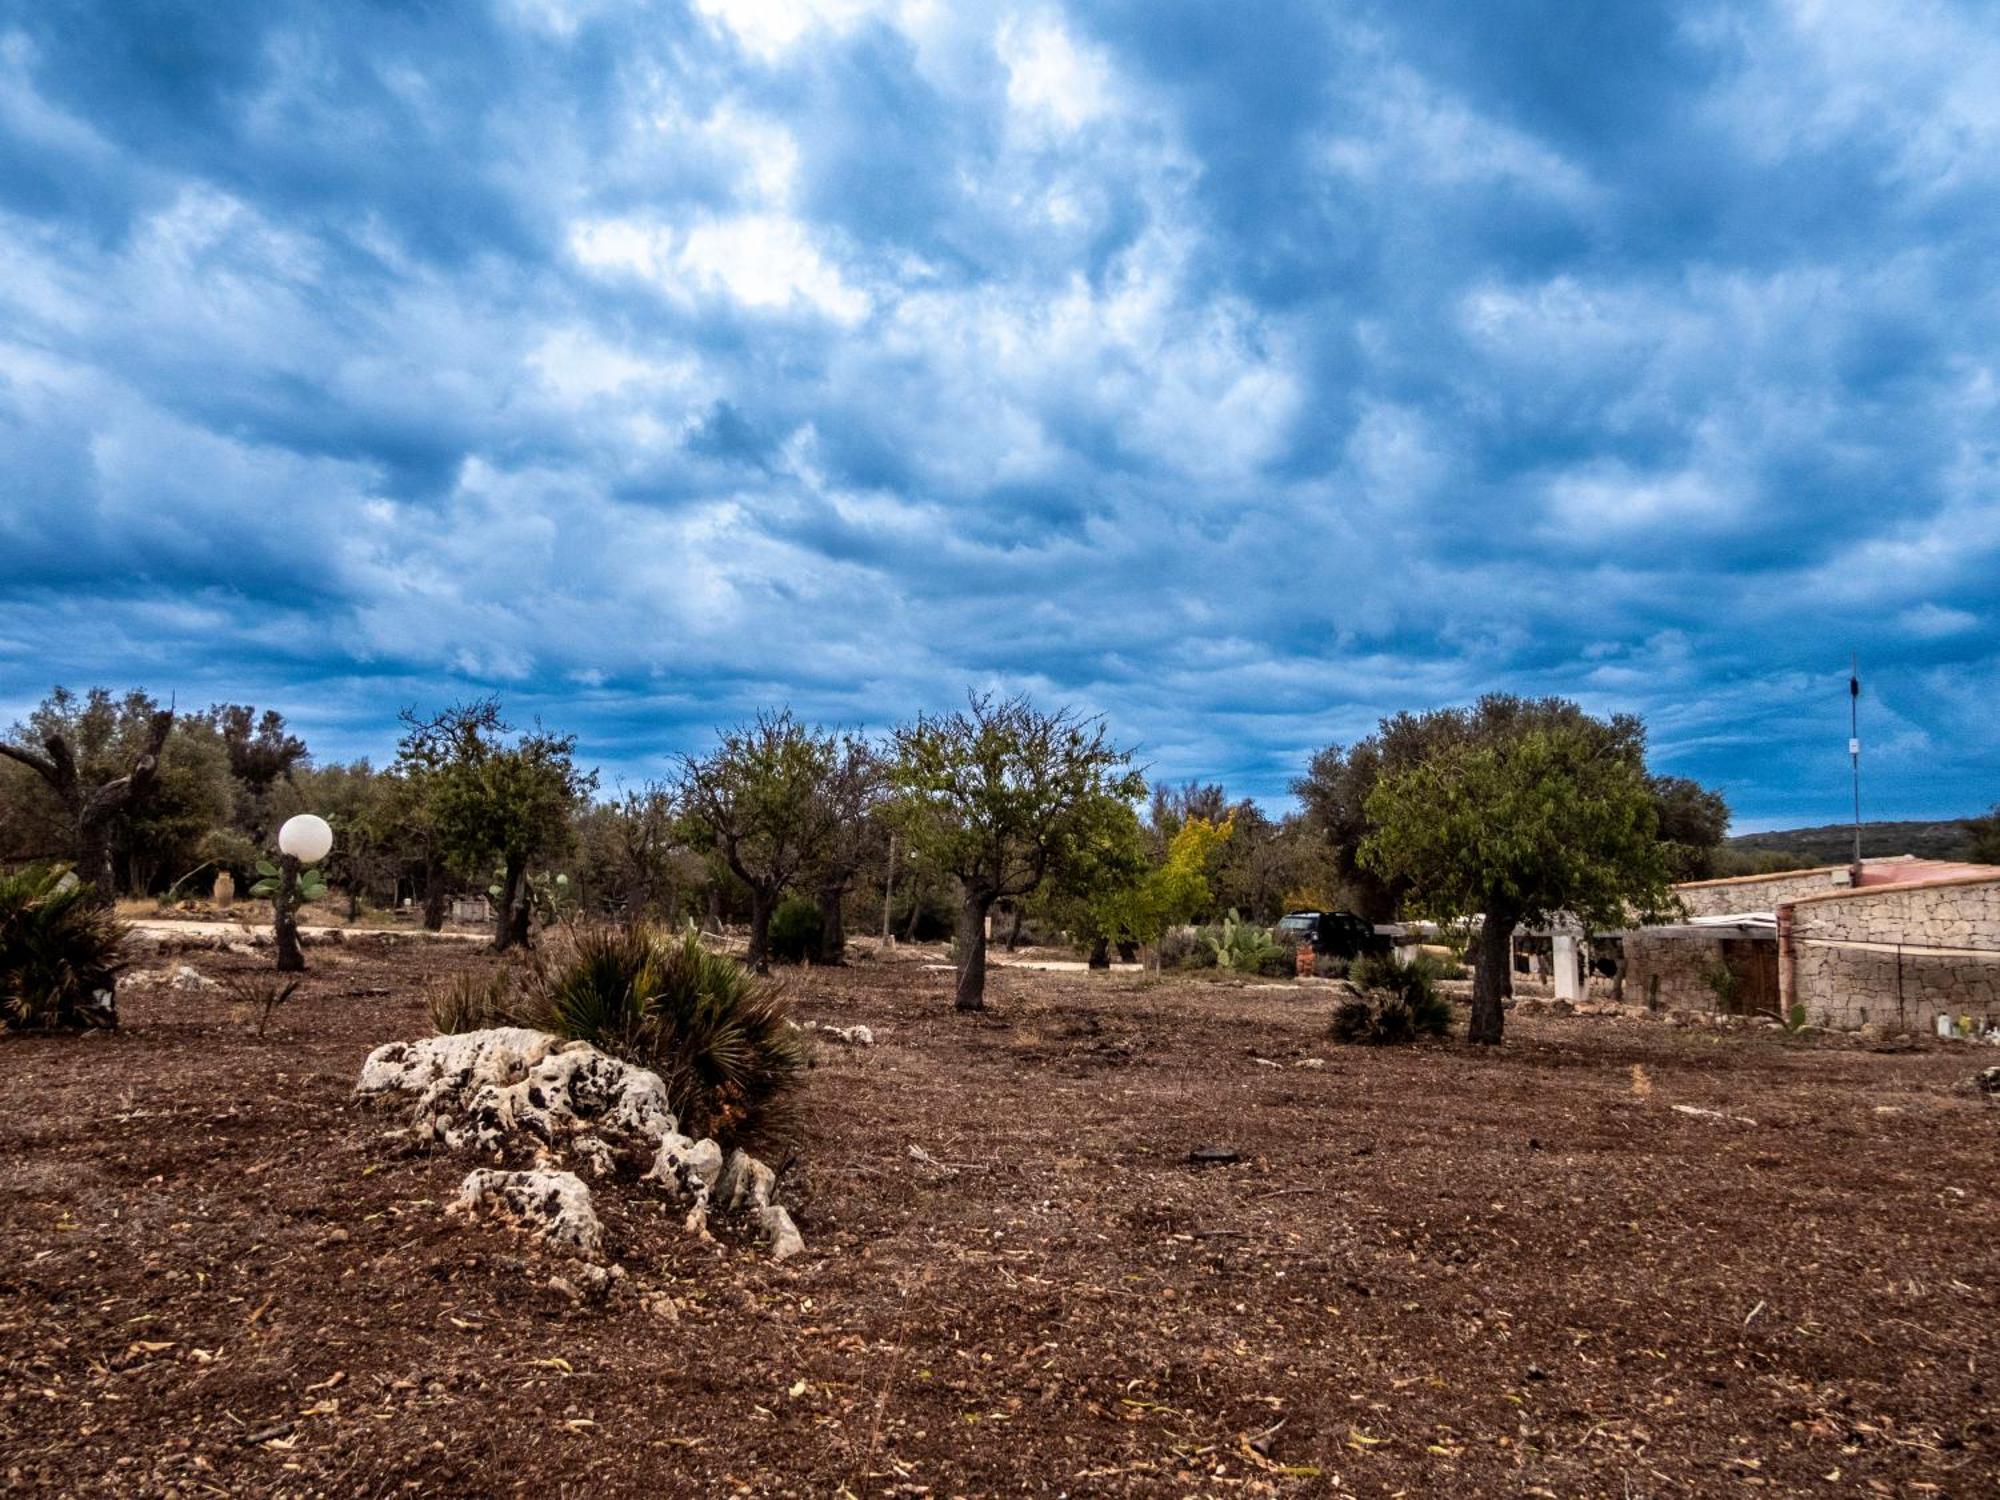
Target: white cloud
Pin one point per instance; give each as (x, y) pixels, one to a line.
(1049, 76)
(764, 261)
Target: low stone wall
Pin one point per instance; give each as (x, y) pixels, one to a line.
(1759, 893)
(1900, 956)
(1666, 972)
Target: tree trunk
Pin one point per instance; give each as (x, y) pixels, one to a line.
(93, 857)
(284, 916)
(434, 896)
(759, 956)
(715, 907)
(889, 893)
(832, 926)
(503, 916)
(971, 951)
(1493, 978)
(1100, 952)
(1014, 932)
(1128, 951)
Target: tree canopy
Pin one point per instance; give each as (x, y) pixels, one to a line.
(1002, 795)
(1521, 819)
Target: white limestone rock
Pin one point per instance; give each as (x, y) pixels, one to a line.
(779, 1232)
(555, 1206)
(190, 980)
(486, 1089)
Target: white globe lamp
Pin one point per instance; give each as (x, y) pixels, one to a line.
(307, 838)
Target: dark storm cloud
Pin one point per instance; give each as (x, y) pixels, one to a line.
(1243, 372)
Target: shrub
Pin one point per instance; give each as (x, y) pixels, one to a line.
(472, 1001)
(1328, 966)
(719, 1037)
(1397, 1003)
(60, 953)
(1186, 948)
(796, 930)
(1242, 947)
(261, 995)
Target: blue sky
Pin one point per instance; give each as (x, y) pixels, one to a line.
(1242, 371)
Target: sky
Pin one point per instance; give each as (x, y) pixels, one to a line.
(1241, 372)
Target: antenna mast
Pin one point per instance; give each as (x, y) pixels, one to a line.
(1854, 748)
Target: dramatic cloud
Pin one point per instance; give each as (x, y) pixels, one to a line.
(1244, 373)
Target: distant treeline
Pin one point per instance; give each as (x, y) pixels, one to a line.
(1833, 844)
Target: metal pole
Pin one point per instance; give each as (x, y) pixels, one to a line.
(1854, 748)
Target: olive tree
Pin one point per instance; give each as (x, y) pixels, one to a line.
(100, 761)
(1518, 824)
(1003, 795)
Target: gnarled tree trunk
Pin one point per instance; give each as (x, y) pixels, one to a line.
(93, 809)
(285, 918)
(1493, 977)
(971, 950)
(762, 902)
(832, 925)
(434, 895)
(503, 916)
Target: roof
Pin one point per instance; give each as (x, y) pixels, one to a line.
(1895, 869)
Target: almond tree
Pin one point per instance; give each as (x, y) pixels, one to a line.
(757, 801)
(1003, 796)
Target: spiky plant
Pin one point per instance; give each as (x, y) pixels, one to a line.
(719, 1036)
(472, 1001)
(60, 953)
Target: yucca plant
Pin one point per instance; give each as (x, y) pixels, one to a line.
(719, 1036)
(60, 953)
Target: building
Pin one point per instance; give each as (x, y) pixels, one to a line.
(1908, 942)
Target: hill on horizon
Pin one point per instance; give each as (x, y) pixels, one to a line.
(1833, 843)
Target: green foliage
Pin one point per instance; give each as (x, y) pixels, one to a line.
(1722, 982)
(1982, 838)
(1185, 948)
(1339, 786)
(1003, 795)
(1398, 1002)
(797, 929)
(1795, 1020)
(1244, 948)
(1549, 820)
(486, 798)
(60, 953)
(719, 1036)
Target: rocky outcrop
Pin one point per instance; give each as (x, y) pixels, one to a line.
(553, 1205)
(519, 1093)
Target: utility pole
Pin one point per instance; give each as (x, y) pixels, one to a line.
(1854, 750)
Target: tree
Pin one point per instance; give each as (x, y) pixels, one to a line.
(851, 796)
(756, 800)
(1693, 822)
(1983, 838)
(1000, 794)
(1339, 780)
(1121, 895)
(1518, 823)
(95, 774)
(427, 752)
(489, 800)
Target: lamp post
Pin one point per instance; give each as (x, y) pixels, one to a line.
(304, 841)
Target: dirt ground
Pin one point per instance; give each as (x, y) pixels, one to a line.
(1432, 1271)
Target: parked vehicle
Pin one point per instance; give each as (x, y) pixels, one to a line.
(1333, 934)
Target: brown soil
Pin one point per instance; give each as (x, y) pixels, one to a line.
(1433, 1271)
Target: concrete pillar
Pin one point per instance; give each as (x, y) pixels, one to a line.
(1568, 986)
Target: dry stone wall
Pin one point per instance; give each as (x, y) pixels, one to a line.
(1900, 956)
(1665, 972)
(1733, 898)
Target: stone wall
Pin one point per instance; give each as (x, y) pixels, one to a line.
(1731, 898)
(1666, 971)
(1899, 956)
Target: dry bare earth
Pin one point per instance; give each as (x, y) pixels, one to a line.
(1434, 1271)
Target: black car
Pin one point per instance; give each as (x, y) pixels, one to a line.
(1334, 934)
